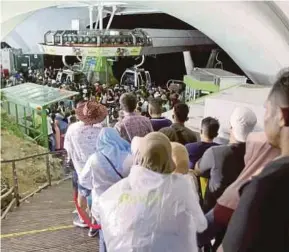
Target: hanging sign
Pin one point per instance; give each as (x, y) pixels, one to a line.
(91, 51)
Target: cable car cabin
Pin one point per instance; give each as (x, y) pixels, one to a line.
(68, 76)
(135, 78)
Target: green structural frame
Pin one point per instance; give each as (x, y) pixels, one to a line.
(26, 101)
(102, 66)
(200, 85)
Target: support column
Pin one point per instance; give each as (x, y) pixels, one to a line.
(90, 8)
(111, 17)
(100, 16)
(189, 69)
(188, 62)
(97, 21)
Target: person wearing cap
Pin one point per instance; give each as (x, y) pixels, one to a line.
(80, 143)
(261, 220)
(223, 164)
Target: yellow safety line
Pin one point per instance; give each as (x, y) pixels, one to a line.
(35, 231)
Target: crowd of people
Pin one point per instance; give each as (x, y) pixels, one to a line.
(60, 115)
(154, 185)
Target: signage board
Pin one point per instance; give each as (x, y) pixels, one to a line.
(91, 51)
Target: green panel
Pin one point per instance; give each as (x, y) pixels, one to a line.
(102, 67)
(200, 85)
(44, 127)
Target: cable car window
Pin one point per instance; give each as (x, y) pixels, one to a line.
(129, 79)
(77, 78)
(63, 77)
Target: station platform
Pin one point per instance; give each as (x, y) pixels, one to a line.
(44, 224)
(221, 105)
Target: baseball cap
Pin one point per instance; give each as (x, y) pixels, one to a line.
(243, 121)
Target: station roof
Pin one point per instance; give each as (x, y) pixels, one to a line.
(248, 36)
(34, 95)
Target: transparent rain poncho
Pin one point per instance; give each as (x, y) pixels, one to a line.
(151, 212)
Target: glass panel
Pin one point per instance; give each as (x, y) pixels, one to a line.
(33, 95)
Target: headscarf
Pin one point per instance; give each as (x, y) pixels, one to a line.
(181, 160)
(180, 157)
(110, 144)
(258, 154)
(155, 153)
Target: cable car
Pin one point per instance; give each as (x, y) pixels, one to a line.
(135, 78)
(68, 76)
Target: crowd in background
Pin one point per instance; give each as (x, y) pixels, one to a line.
(155, 185)
(60, 114)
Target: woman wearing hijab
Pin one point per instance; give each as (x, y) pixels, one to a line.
(153, 209)
(109, 164)
(181, 160)
(258, 153)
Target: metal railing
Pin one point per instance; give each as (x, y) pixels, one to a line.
(13, 192)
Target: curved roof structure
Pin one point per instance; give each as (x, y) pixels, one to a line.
(254, 34)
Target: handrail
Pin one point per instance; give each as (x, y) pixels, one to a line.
(33, 156)
(14, 190)
(5, 195)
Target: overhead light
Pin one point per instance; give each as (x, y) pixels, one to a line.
(109, 4)
(131, 12)
(88, 3)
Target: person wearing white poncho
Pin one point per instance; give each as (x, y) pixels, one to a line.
(152, 209)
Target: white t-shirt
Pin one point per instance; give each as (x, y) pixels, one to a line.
(80, 143)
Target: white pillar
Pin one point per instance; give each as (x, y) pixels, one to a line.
(90, 8)
(188, 62)
(97, 21)
(111, 17)
(100, 9)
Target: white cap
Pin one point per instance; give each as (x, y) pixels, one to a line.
(243, 121)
